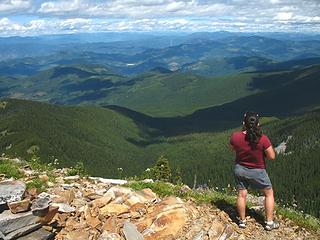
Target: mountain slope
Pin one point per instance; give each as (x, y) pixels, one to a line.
(101, 138)
(222, 66)
(106, 139)
(285, 93)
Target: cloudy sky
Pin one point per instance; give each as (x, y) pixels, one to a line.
(33, 17)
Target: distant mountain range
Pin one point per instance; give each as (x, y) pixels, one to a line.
(25, 56)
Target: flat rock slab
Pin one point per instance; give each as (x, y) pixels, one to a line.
(40, 234)
(130, 231)
(22, 231)
(11, 191)
(10, 222)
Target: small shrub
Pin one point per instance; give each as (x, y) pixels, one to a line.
(38, 184)
(78, 169)
(36, 164)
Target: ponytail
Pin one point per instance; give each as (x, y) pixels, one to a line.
(251, 125)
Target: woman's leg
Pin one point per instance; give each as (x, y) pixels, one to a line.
(241, 203)
(269, 203)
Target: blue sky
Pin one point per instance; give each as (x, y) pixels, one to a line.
(34, 17)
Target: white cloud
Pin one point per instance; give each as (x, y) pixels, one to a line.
(14, 5)
(62, 7)
(41, 26)
(283, 16)
(133, 8)
(275, 1)
(149, 15)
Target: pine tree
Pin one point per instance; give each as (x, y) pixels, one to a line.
(162, 170)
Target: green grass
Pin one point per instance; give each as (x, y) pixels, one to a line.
(300, 219)
(10, 169)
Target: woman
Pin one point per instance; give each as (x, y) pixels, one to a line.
(251, 148)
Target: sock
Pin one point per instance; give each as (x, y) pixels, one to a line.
(270, 222)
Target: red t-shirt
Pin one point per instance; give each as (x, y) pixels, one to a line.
(245, 154)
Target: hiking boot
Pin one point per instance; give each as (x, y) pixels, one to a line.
(242, 223)
(271, 226)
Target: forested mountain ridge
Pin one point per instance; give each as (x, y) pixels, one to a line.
(162, 92)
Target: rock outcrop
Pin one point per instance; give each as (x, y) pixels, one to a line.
(77, 208)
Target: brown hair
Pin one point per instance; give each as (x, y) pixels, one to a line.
(251, 125)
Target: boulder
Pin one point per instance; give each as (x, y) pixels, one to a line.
(101, 202)
(40, 205)
(51, 213)
(117, 191)
(114, 209)
(165, 221)
(19, 206)
(64, 196)
(147, 196)
(11, 191)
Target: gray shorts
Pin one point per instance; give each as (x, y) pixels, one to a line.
(256, 178)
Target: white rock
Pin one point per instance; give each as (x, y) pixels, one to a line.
(64, 208)
(76, 177)
(147, 180)
(109, 181)
(11, 191)
(130, 231)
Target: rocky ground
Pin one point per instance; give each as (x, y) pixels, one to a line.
(75, 208)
